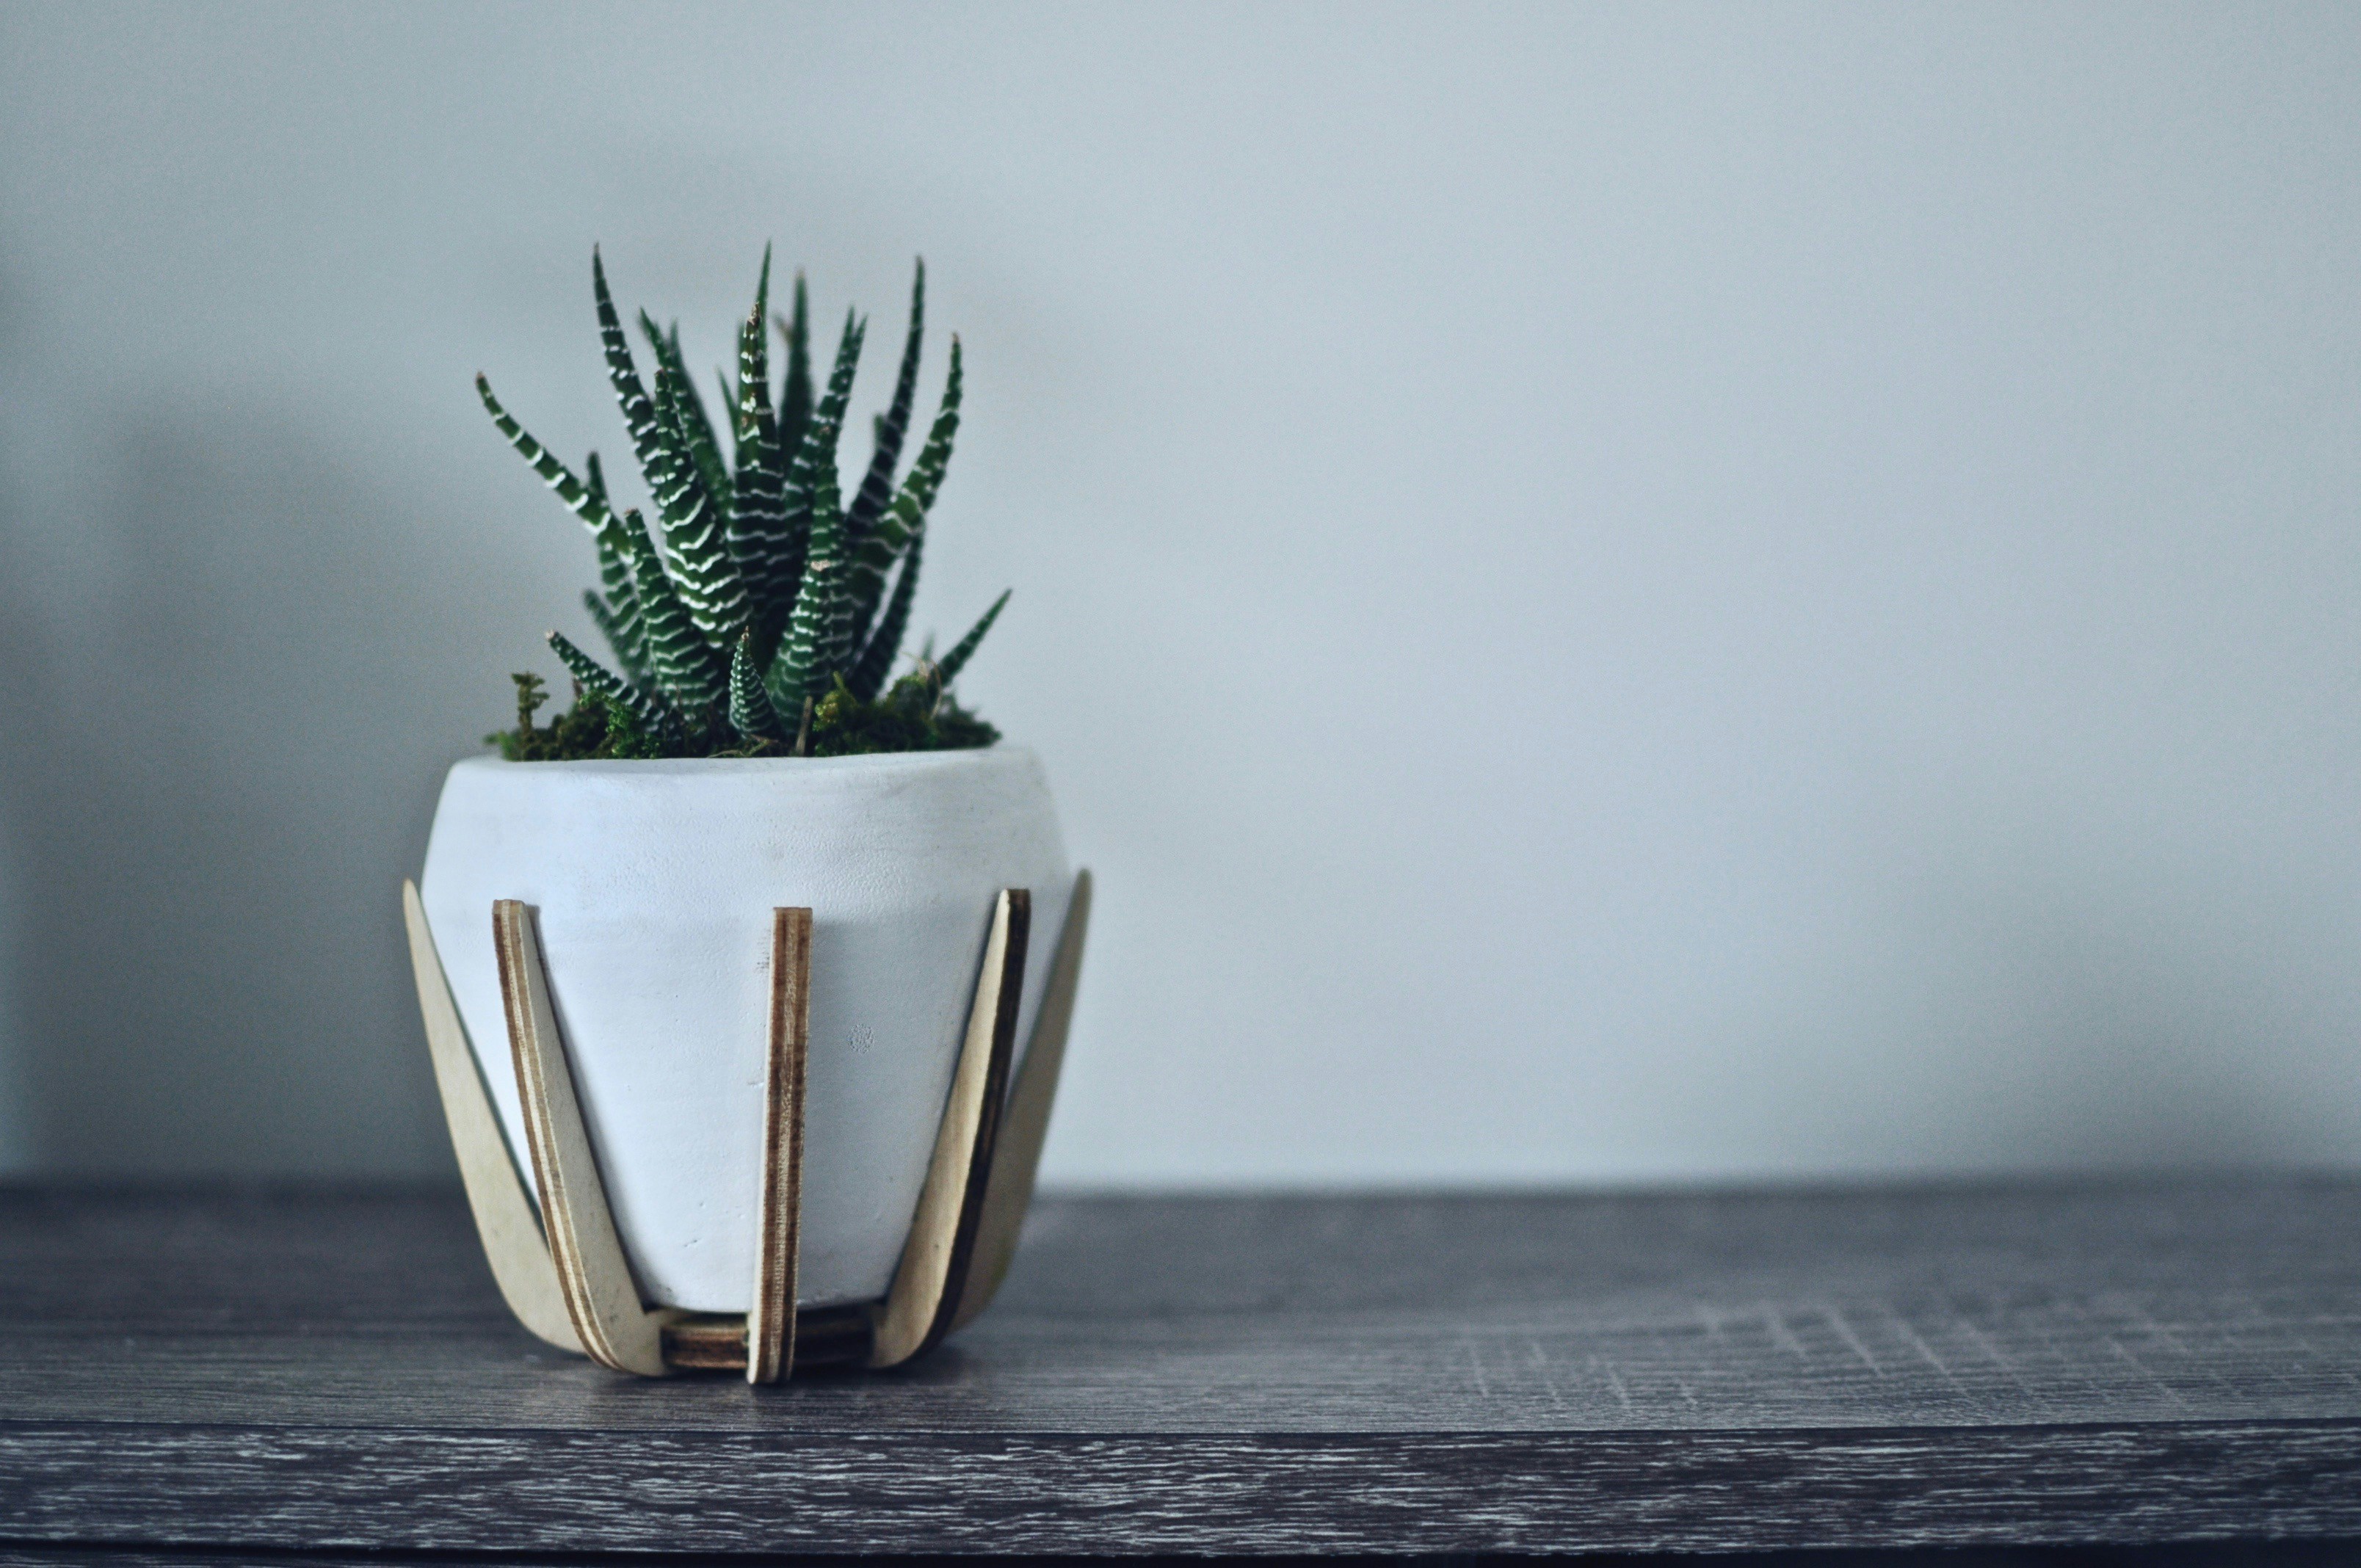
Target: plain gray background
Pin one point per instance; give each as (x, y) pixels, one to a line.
(1613, 593)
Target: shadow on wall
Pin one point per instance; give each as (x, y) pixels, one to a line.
(224, 748)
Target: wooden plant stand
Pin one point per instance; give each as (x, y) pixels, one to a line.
(553, 1248)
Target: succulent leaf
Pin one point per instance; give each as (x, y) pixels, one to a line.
(604, 617)
(868, 677)
(705, 574)
(588, 502)
(964, 649)
(689, 668)
(650, 711)
(814, 535)
(760, 515)
(906, 520)
(621, 608)
(775, 564)
(751, 711)
(809, 657)
(582, 500)
(730, 401)
(693, 428)
(877, 486)
(795, 393)
(639, 410)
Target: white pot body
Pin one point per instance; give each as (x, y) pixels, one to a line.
(653, 884)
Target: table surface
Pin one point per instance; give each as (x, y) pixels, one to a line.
(2024, 1363)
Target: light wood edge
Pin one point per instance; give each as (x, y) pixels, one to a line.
(1024, 1125)
(496, 1191)
(601, 1297)
(771, 1324)
(931, 1277)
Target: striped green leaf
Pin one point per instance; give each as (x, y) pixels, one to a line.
(730, 401)
(619, 610)
(811, 552)
(639, 409)
(692, 427)
(588, 502)
(964, 649)
(680, 421)
(810, 655)
(758, 522)
(765, 421)
(750, 712)
(906, 519)
(584, 502)
(610, 624)
(795, 393)
(692, 673)
(696, 529)
(877, 486)
(775, 565)
(618, 613)
(648, 709)
(876, 661)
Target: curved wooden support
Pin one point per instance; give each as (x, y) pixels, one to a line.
(1024, 1124)
(601, 1297)
(565, 1273)
(504, 1214)
(932, 1274)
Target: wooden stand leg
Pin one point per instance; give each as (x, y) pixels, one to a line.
(504, 1216)
(770, 1325)
(600, 1296)
(566, 1277)
(932, 1274)
(1024, 1125)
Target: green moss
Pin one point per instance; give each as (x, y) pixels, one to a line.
(593, 728)
(915, 715)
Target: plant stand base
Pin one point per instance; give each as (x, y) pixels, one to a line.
(553, 1245)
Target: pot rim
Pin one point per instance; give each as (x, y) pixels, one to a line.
(784, 767)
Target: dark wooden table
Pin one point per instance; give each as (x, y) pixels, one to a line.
(2020, 1363)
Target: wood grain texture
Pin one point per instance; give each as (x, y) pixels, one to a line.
(1024, 1124)
(513, 1246)
(932, 1273)
(2203, 1554)
(2059, 1363)
(770, 1335)
(601, 1298)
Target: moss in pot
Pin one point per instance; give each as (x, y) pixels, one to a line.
(749, 743)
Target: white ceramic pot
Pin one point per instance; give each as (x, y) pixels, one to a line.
(653, 884)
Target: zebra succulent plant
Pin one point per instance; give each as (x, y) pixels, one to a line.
(764, 624)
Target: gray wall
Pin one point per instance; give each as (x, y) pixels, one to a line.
(1614, 593)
